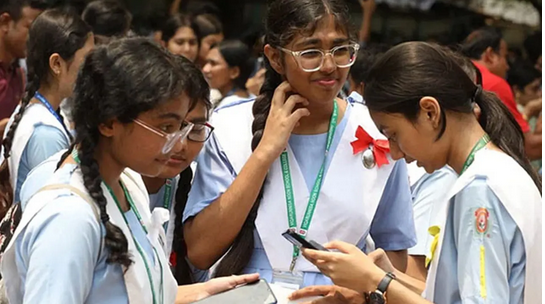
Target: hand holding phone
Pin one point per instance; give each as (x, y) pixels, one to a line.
(300, 242)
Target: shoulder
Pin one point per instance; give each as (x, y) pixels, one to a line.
(236, 102)
(46, 131)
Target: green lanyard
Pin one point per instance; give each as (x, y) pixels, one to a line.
(288, 187)
(138, 247)
(478, 146)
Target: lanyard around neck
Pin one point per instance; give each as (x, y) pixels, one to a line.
(288, 187)
(138, 247)
(483, 141)
(49, 107)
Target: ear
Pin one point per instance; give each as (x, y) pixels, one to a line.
(273, 55)
(489, 55)
(5, 20)
(234, 73)
(107, 129)
(161, 42)
(56, 64)
(430, 110)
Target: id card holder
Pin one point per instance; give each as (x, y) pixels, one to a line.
(287, 279)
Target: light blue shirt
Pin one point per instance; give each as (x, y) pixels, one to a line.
(45, 141)
(459, 266)
(429, 196)
(215, 174)
(37, 178)
(57, 254)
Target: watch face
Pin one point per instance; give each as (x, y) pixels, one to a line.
(376, 298)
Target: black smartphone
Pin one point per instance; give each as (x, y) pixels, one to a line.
(300, 242)
(258, 292)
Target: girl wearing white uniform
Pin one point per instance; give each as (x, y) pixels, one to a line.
(88, 235)
(228, 66)
(487, 246)
(298, 125)
(57, 44)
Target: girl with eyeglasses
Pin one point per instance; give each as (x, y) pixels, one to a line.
(88, 235)
(169, 189)
(319, 166)
(487, 245)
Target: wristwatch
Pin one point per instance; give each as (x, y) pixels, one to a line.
(379, 296)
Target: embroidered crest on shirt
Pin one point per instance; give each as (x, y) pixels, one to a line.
(481, 220)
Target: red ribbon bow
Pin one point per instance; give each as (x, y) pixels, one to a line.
(380, 146)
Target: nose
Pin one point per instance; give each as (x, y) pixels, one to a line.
(329, 64)
(180, 146)
(206, 68)
(395, 152)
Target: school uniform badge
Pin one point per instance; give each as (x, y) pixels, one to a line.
(481, 220)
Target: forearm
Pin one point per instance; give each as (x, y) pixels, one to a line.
(415, 285)
(532, 143)
(416, 267)
(365, 30)
(210, 233)
(398, 259)
(399, 294)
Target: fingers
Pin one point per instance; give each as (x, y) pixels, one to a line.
(377, 254)
(310, 291)
(244, 279)
(292, 101)
(280, 93)
(341, 246)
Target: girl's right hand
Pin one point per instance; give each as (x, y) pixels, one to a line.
(281, 121)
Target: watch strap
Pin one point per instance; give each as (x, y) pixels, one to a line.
(385, 282)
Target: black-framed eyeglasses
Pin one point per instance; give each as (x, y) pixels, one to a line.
(313, 59)
(200, 132)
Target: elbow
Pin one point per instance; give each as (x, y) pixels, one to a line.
(197, 252)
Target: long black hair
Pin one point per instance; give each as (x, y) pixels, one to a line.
(200, 94)
(108, 18)
(237, 54)
(53, 32)
(412, 70)
(285, 19)
(110, 85)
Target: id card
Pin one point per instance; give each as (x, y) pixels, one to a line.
(286, 279)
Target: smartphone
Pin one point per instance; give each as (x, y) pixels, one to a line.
(258, 292)
(300, 242)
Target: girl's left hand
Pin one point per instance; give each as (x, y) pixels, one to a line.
(349, 268)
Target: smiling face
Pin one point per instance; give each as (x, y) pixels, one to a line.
(322, 85)
(128, 138)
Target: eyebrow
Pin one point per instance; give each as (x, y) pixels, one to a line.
(198, 120)
(315, 41)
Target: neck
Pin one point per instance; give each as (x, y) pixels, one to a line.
(153, 184)
(6, 58)
(226, 89)
(51, 93)
(462, 143)
(110, 171)
(320, 115)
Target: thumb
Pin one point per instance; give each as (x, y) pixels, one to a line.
(341, 246)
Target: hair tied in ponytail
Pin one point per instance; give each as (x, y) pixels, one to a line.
(478, 92)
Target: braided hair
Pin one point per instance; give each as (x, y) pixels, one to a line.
(53, 32)
(111, 86)
(285, 19)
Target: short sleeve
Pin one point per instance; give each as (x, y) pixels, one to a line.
(505, 93)
(429, 196)
(59, 250)
(213, 176)
(393, 225)
(44, 142)
(490, 248)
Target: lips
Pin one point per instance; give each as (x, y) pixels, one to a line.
(176, 161)
(327, 82)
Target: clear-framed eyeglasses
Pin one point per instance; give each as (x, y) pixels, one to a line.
(171, 138)
(313, 59)
(200, 132)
